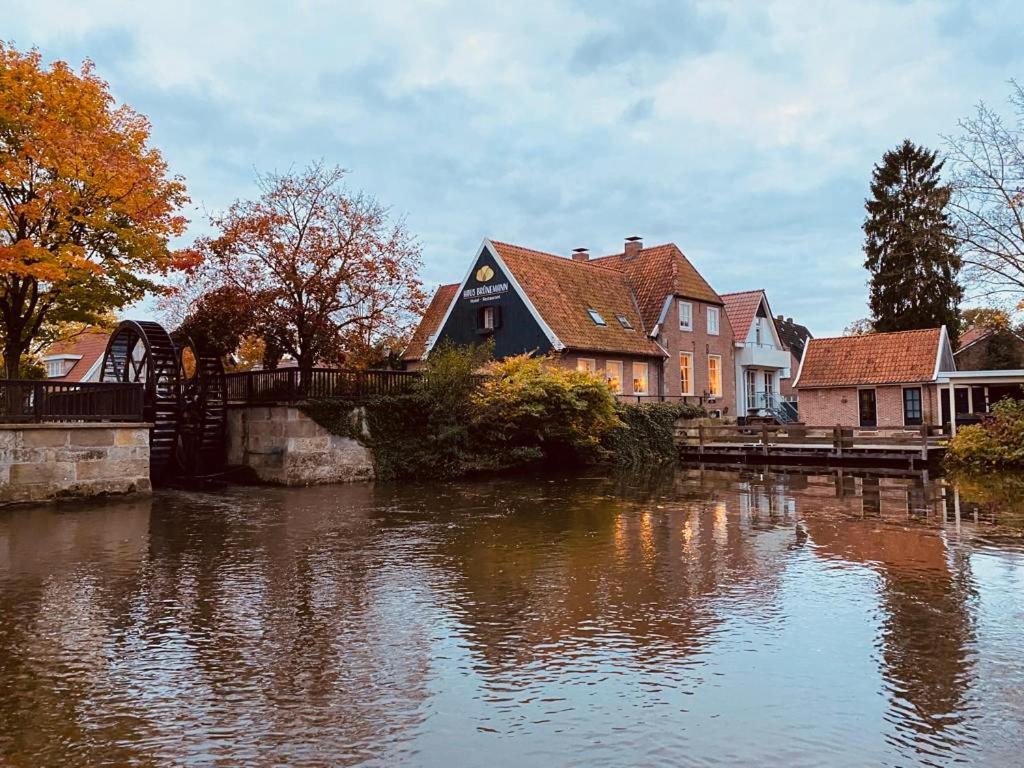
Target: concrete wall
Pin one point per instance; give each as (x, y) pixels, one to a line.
(39, 462)
(282, 445)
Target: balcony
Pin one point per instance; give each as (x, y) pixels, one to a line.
(762, 355)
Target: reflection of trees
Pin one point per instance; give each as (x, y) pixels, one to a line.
(927, 627)
(236, 627)
(629, 571)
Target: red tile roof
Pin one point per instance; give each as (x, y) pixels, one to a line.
(562, 290)
(90, 345)
(657, 272)
(874, 358)
(971, 335)
(430, 322)
(741, 307)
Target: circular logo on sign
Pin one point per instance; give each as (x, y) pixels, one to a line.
(484, 274)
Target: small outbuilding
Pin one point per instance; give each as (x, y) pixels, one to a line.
(875, 381)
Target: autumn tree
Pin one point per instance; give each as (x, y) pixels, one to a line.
(318, 264)
(908, 246)
(87, 207)
(987, 163)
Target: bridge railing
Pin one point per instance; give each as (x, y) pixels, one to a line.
(42, 401)
(287, 385)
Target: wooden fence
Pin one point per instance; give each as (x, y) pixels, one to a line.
(31, 401)
(287, 385)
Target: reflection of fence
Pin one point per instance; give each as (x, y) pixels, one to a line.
(24, 400)
(287, 385)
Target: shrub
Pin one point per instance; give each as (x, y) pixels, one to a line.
(530, 407)
(646, 434)
(997, 441)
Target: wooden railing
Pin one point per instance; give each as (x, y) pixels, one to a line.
(28, 401)
(639, 399)
(287, 385)
(838, 438)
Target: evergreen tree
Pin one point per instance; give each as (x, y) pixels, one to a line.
(909, 245)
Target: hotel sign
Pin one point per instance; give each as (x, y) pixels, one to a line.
(483, 275)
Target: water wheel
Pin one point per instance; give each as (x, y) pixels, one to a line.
(142, 352)
(201, 442)
(184, 396)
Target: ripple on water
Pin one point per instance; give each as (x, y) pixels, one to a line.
(695, 618)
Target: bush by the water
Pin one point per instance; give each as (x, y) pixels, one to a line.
(468, 413)
(997, 442)
(646, 431)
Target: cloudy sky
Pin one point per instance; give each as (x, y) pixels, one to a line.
(745, 132)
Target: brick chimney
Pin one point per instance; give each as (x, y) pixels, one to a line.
(633, 246)
(580, 254)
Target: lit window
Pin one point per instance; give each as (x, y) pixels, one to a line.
(639, 378)
(583, 364)
(713, 321)
(596, 317)
(686, 373)
(624, 322)
(613, 372)
(685, 316)
(715, 375)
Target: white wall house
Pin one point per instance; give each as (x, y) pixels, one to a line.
(762, 360)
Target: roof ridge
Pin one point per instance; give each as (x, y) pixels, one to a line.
(876, 334)
(563, 259)
(620, 254)
(742, 293)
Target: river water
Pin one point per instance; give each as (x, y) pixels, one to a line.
(687, 618)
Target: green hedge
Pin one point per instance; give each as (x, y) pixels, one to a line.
(996, 442)
(647, 432)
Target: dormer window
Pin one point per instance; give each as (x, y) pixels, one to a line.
(596, 317)
(624, 322)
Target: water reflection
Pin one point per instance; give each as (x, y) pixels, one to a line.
(693, 617)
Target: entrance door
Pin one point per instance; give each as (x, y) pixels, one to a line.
(769, 389)
(866, 407)
(751, 382)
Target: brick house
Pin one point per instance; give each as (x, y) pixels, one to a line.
(874, 381)
(987, 348)
(644, 317)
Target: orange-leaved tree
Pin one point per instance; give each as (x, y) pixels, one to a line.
(87, 206)
(319, 264)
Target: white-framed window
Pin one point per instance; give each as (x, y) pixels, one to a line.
(586, 364)
(54, 368)
(715, 375)
(685, 316)
(596, 317)
(712, 321)
(640, 378)
(686, 373)
(613, 372)
(489, 319)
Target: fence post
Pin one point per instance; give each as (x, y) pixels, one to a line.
(837, 439)
(37, 402)
(700, 438)
(764, 439)
(249, 375)
(924, 442)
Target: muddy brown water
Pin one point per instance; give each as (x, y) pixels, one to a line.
(686, 618)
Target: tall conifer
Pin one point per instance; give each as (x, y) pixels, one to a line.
(909, 245)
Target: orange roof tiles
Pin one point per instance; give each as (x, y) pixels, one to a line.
(971, 335)
(90, 345)
(430, 322)
(657, 272)
(874, 358)
(562, 290)
(741, 307)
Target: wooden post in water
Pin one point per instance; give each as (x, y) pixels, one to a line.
(924, 443)
(837, 439)
(764, 439)
(700, 438)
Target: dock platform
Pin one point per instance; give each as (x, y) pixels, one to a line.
(912, 448)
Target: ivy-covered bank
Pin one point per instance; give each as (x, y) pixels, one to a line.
(521, 411)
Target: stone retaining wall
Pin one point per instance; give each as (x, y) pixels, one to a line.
(39, 462)
(282, 445)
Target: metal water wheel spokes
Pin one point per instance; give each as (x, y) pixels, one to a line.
(141, 352)
(201, 443)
